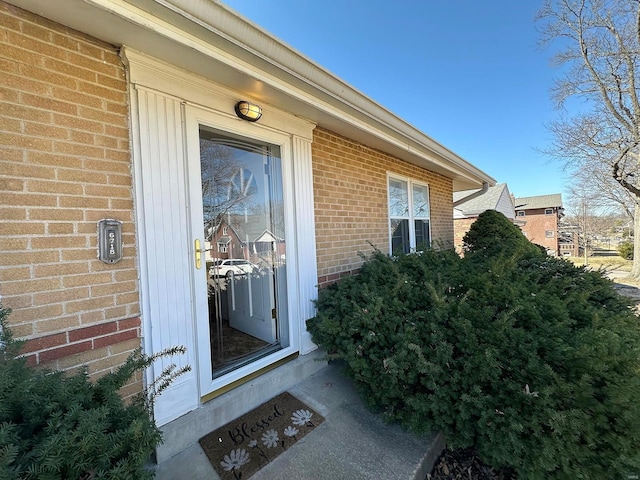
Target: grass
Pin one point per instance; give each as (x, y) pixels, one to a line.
(606, 262)
(609, 260)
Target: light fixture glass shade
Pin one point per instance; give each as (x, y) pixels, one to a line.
(248, 111)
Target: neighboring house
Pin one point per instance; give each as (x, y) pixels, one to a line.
(569, 242)
(468, 204)
(541, 216)
(240, 236)
(129, 111)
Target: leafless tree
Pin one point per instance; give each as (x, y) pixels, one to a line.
(226, 186)
(594, 180)
(591, 219)
(600, 54)
(579, 217)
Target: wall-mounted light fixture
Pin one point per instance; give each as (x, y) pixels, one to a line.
(248, 111)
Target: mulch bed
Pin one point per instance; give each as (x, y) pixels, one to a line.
(465, 465)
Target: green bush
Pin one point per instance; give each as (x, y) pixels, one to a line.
(492, 233)
(625, 250)
(56, 425)
(531, 360)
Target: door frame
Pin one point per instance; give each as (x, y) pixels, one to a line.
(196, 116)
(152, 79)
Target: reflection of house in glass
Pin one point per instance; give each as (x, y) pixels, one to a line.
(238, 236)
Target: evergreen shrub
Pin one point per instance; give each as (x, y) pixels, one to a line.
(492, 234)
(527, 358)
(625, 250)
(61, 425)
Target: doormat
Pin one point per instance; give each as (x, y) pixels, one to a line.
(242, 447)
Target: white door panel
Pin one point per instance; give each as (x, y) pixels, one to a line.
(251, 301)
(164, 247)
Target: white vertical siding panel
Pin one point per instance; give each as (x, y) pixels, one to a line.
(166, 261)
(306, 238)
(505, 205)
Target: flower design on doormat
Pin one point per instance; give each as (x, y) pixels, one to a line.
(254, 444)
(270, 438)
(302, 417)
(236, 459)
(243, 446)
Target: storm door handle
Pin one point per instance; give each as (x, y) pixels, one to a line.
(198, 254)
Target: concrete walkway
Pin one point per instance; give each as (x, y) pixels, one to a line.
(351, 444)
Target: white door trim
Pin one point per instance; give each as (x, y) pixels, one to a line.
(168, 224)
(195, 117)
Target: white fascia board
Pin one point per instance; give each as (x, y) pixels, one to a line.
(213, 41)
(260, 43)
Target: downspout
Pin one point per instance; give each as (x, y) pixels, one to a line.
(483, 190)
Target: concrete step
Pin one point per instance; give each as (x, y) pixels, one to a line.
(352, 443)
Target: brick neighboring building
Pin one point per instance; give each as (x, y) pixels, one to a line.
(467, 205)
(108, 110)
(541, 216)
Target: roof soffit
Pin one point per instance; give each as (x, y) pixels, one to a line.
(207, 38)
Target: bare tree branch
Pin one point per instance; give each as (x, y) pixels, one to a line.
(600, 55)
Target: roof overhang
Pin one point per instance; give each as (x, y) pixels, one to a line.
(211, 40)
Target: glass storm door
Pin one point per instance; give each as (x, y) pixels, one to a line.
(245, 248)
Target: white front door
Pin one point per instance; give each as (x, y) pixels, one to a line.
(237, 197)
(242, 197)
(259, 310)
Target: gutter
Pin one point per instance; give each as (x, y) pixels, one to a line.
(210, 40)
(482, 191)
(361, 113)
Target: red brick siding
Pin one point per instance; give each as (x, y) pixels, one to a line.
(536, 226)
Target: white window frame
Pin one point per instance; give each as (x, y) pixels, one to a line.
(548, 211)
(521, 213)
(411, 183)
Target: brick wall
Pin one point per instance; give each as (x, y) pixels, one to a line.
(536, 226)
(460, 228)
(64, 165)
(350, 189)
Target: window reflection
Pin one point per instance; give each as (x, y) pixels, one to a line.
(243, 220)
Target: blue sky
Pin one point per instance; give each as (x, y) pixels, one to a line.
(468, 73)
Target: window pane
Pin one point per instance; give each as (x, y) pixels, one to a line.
(422, 234)
(398, 198)
(420, 201)
(399, 236)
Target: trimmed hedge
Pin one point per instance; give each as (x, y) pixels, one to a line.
(531, 360)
